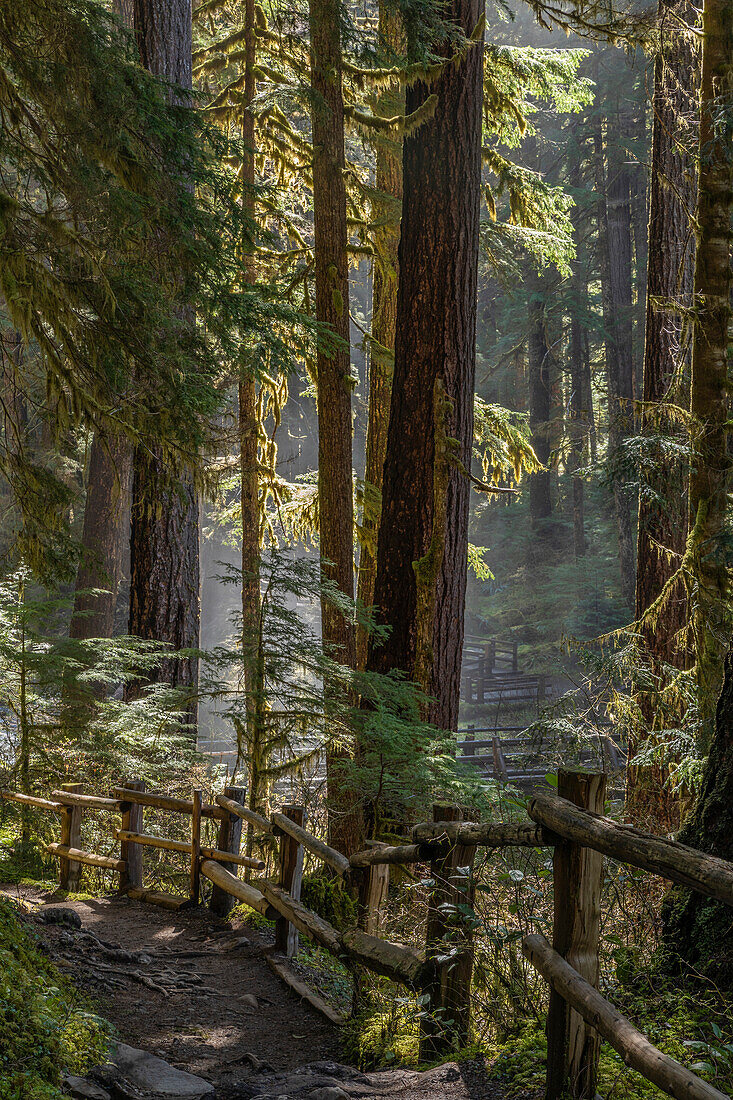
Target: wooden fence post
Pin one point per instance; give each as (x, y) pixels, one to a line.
(132, 821)
(291, 877)
(70, 869)
(446, 1020)
(196, 847)
(230, 835)
(572, 1045)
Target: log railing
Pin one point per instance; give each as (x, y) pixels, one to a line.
(570, 823)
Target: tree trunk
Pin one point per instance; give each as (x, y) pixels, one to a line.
(423, 536)
(164, 548)
(710, 473)
(662, 530)
(386, 212)
(697, 930)
(578, 414)
(333, 372)
(106, 529)
(538, 370)
(614, 369)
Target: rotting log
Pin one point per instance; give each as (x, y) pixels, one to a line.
(86, 801)
(484, 835)
(245, 813)
(305, 920)
(166, 802)
(573, 1048)
(32, 800)
(397, 853)
(667, 858)
(635, 1049)
(242, 891)
(158, 897)
(283, 971)
(393, 960)
(319, 848)
(91, 859)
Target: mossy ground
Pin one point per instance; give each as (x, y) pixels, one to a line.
(46, 1027)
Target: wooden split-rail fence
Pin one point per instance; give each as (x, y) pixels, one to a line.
(570, 823)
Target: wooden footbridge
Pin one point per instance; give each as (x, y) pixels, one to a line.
(570, 825)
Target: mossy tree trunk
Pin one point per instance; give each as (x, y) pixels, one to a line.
(539, 358)
(423, 535)
(164, 544)
(333, 374)
(662, 527)
(709, 393)
(387, 207)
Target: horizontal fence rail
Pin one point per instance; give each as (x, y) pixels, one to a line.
(570, 823)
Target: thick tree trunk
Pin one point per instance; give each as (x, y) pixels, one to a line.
(106, 530)
(386, 212)
(698, 930)
(423, 536)
(538, 370)
(578, 421)
(662, 530)
(333, 372)
(710, 473)
(164, 549)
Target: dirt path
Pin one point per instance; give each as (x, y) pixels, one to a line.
(200, 995)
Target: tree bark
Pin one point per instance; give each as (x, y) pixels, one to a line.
(164, 547)
(106, 529)
(662, 528)
(333, 373)
(423, 535)
(538, 370)
(386, 210)
(710, 472)
(614, 368)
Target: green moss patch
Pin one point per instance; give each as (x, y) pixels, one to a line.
(46, 1027)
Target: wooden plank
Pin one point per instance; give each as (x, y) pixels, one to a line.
(91, 859)
(86, 801)
(573, 1048)
(283, 971)
(228, 840)
(195, 873)
(373, 891)
(599, 1014)
(318, 847)
(130, 852)
(485, 835)
(166, 802)
(668, 858)
(70, 870)
(261, 823)
(291, 877)
(242, 891)
(32, 800)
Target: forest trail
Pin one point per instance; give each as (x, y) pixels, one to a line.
(198, 993)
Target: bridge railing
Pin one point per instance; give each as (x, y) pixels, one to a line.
(571, 823)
